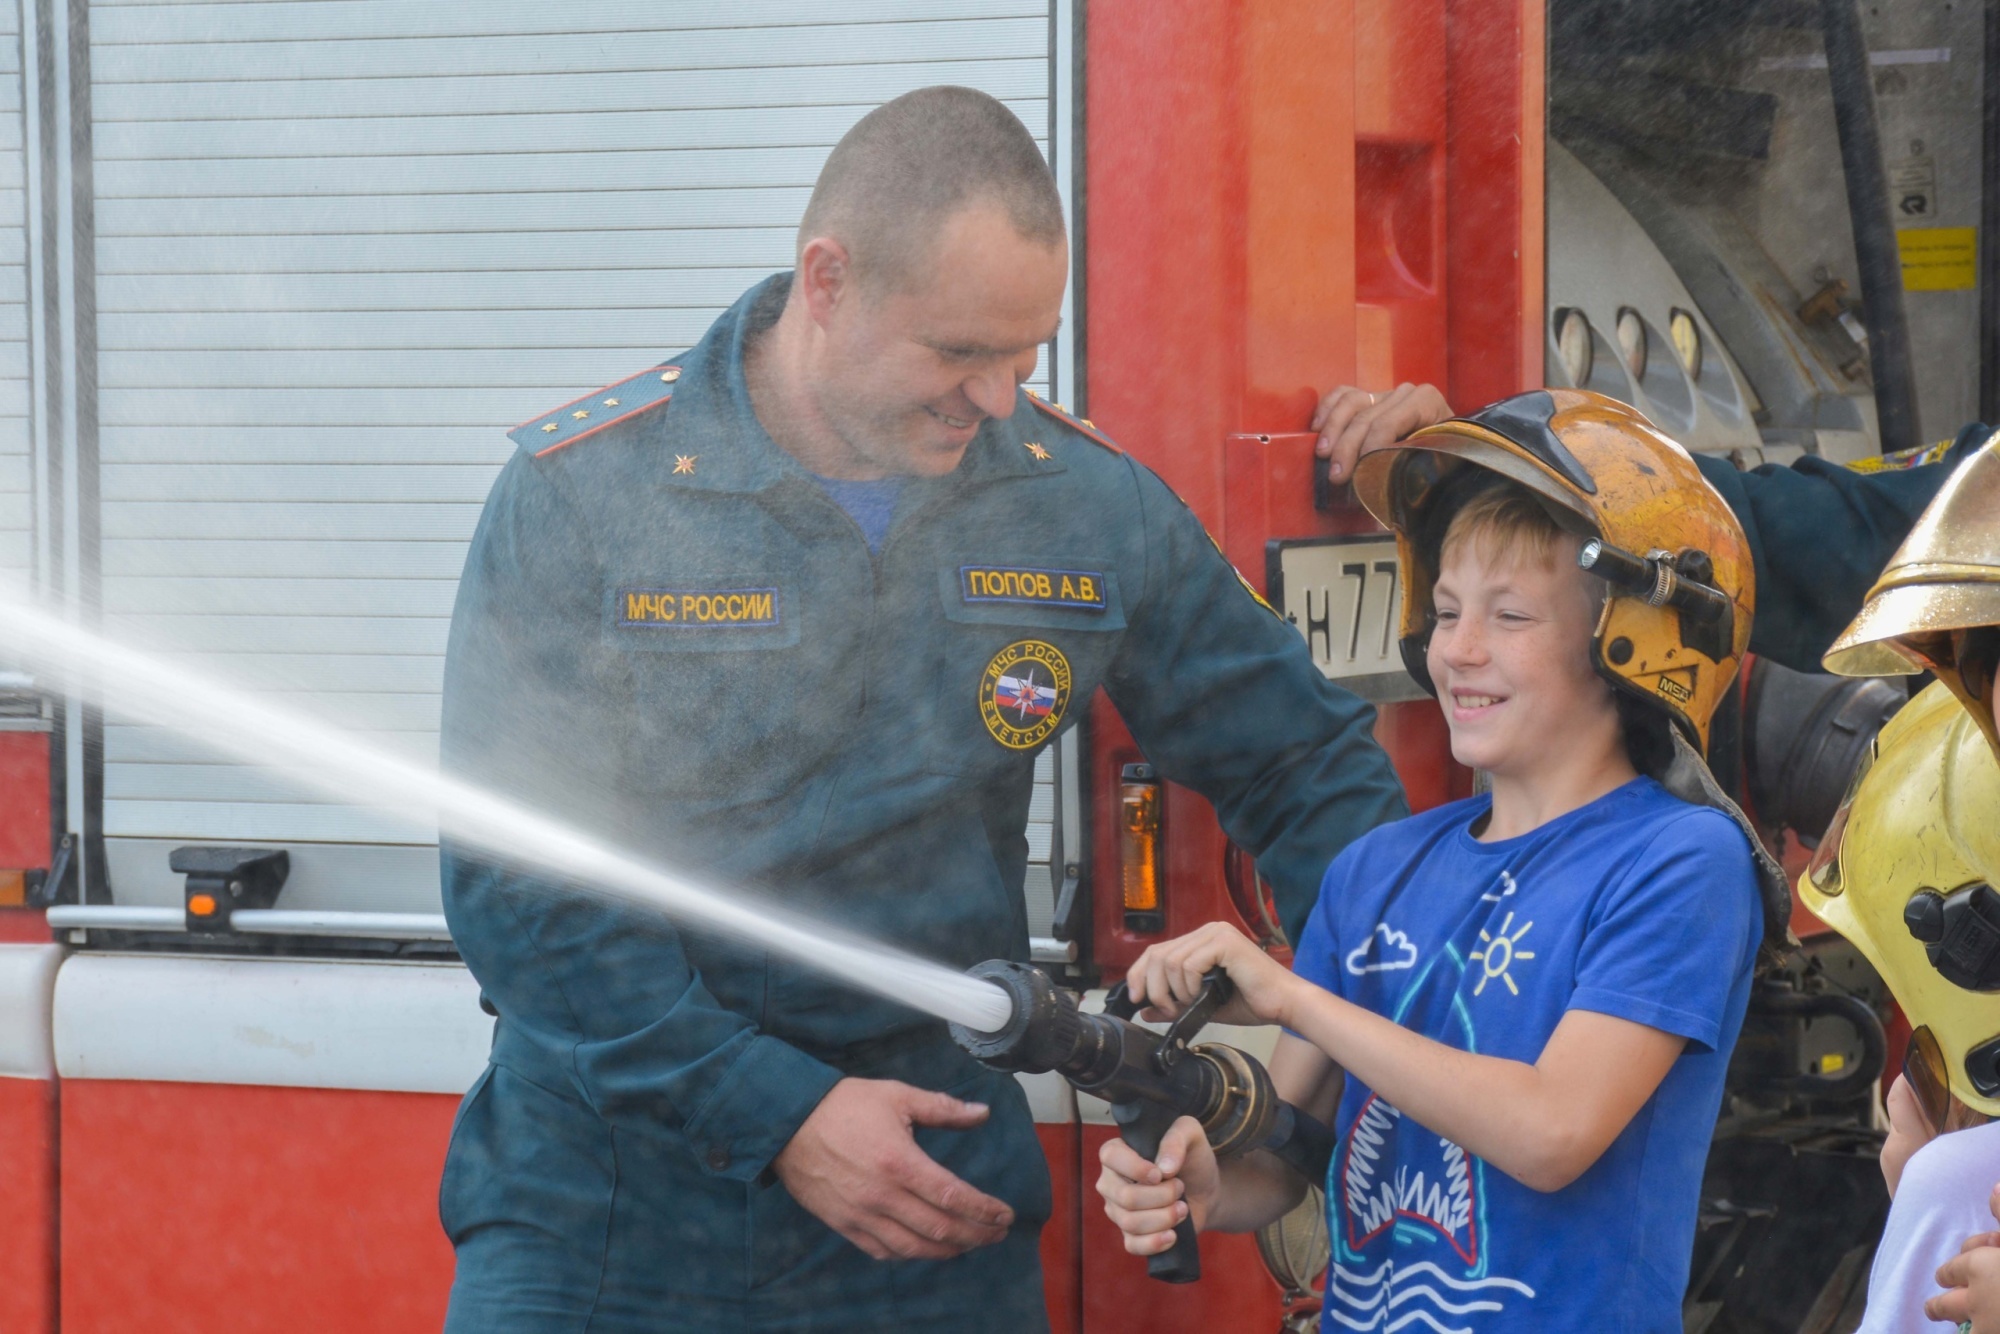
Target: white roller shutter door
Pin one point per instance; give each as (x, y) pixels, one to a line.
(17, 526)
(341, 248)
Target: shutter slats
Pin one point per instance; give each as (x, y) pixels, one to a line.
(343, 247)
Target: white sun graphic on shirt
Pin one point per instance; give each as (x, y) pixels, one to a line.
(1501, 952)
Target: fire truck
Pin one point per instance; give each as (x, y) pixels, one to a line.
(276, 275)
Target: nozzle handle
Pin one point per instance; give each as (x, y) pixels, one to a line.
(1179, 1263)
(1144, 1125)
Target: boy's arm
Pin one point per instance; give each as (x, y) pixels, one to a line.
(1542, 1124)
(1147, 1200)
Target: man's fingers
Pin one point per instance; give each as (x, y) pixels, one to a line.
(1336, 410)
(932, 1232)
(931, 1184)
(927, 1108)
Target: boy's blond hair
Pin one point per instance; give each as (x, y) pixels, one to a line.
(1504, 520)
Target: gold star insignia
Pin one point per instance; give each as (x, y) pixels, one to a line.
(1035, 448)
(684, 463)
(610, 402)
(670, 374)
(550, 427)
(580, 413)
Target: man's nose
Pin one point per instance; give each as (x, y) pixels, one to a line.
(992, 391)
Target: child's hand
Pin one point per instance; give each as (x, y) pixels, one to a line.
(1148, 1200)
(1971, 1280)
(1169, 975)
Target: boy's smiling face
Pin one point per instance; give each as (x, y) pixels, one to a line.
(1511, 656)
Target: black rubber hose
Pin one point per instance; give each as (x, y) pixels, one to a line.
(1875, 253)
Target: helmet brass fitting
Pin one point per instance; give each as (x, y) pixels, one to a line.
(1908, 871)
(1677, 563)
(1936, 607)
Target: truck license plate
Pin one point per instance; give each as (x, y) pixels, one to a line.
(1345, 596)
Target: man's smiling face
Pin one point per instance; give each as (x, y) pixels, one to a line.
(909, 371)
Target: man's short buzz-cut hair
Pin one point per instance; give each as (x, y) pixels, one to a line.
(909, 164)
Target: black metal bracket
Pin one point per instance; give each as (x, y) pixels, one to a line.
(45, 889)
(221, 880)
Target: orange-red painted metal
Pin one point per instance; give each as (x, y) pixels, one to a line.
(1282, 197)
(193, 1208)
(28, 1218)
(24, 800)
(1062, 1243)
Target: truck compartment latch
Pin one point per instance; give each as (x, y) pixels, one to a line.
(221, 880)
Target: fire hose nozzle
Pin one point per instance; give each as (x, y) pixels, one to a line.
(1150, 1079)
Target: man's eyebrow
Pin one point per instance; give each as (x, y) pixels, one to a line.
(985, 349)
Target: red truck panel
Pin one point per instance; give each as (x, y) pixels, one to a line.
(193, 1208)
(27, 1221)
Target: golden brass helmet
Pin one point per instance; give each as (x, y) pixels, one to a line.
(1936, 607)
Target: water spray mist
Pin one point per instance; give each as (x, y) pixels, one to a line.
(146, 688)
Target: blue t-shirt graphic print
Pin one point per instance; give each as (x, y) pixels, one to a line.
(1636, 905)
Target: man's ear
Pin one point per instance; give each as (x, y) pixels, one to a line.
(825, 277)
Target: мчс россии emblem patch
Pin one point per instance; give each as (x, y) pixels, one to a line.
(1024, 693)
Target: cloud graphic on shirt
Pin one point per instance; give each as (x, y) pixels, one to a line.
(1506, 891)
(1385, 951)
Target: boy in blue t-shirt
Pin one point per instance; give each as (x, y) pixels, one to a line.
(1516, 1009)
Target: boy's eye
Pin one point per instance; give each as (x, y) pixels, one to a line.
(1444, 615)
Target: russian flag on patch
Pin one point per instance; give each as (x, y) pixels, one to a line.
(1022, 695)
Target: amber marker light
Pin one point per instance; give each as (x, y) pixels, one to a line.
(1139, 848)
(201, 905)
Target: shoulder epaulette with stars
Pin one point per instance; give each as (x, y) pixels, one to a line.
(593, 412)
(1079, 424)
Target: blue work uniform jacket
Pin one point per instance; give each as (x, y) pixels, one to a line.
(670, 634)
(1820, 534)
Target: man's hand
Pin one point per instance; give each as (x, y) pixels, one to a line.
(1169, 975)
(1146, 1200)
(1352, 422)
(855, 1165)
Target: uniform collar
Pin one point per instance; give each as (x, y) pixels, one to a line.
(711, 424)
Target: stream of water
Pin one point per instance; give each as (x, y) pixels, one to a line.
(142, 687)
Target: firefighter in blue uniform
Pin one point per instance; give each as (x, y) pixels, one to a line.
(820, 671)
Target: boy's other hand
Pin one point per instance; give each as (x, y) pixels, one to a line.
(1148, 1200)
(1352, 422)
(1169, 975)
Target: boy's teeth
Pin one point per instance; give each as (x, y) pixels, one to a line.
(1476, 701)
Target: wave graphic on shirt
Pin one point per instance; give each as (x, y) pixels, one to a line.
(1395, 1173)
(1392, 1297)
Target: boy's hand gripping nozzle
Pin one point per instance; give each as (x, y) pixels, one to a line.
(1150, 1079)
